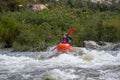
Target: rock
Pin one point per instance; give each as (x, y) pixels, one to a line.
(116, 47)
(111, 47)
(101, 43)
(91, 44)
(96, 45)
(108, 43)
(38, 7)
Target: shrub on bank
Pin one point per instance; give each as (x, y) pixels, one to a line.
(26, 30)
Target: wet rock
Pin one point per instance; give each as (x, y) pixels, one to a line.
(116, 47)
(108, 43)
(91, 44)
(111, 47)
(96, 45)
(101, 43)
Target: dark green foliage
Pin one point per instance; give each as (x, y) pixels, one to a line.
(11, 5)
(27, 30)
(8, 29)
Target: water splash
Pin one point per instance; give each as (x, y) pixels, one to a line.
(92, 65)
(56, 74)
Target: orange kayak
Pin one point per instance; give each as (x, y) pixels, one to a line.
(63, 47)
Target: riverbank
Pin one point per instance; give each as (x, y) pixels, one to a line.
(37, 30)
(107, 46)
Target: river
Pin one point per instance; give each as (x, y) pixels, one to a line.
(92, 65)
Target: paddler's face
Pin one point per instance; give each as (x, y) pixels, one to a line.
(64, 36)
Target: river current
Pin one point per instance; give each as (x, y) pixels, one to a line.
(91, 65)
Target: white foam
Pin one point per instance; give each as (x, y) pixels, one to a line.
(118, 57)
(89, 60)
(64, 59)
(110, 76)
(56, 74)
(16, 64)
(98, 57)
(93, 57)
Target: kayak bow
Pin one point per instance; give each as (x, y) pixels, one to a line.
(63, 47)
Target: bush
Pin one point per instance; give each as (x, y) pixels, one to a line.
(26, 30)
(8, 31)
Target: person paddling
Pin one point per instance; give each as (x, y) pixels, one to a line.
(66, 39)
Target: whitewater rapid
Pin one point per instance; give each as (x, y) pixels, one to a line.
(92, 65)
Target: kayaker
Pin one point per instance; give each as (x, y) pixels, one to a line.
(66, 38)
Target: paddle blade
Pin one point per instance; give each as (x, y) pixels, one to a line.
(71, 29)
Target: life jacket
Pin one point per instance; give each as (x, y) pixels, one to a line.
(69, 39)
(65, 40)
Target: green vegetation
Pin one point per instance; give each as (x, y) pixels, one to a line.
(36, 30)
